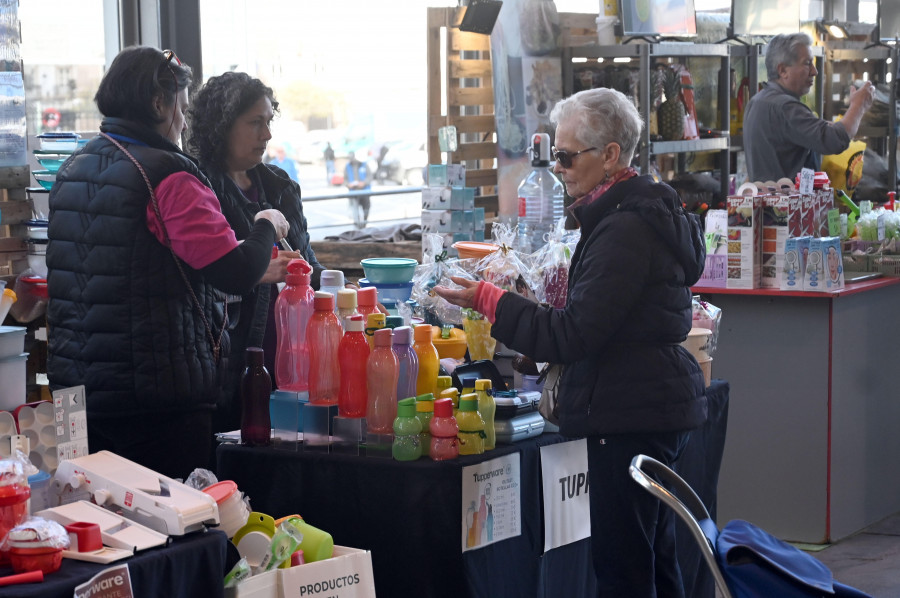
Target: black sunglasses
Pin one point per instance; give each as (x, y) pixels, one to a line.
(565, 158)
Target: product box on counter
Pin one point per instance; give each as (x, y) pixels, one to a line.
(443, 221)
(436, 198)
(824, 203)
(715, 271)
(794, 263)
(776, 209)
(795, 218)
(808, 210)
(446, 175)
(824, 265)
(744, 241)
(347, 574)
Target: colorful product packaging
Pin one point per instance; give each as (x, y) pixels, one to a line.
(744, 241)
(776, 209)
(794, 263)
(824, 265)
(715, 271)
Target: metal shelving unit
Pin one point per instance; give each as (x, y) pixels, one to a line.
(646, 54)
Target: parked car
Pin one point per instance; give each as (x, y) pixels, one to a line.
(404, 163)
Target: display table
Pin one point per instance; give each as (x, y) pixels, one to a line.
(813, 449)
(409, 515)
(192, 565)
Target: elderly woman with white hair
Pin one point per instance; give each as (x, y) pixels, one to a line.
(627, 384)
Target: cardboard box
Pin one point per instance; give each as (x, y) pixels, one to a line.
(776, 209)
(715, 271)
(824, 202)
(436, 198)
(794, 263)
(744, 241)
(462, 198)
(443, 221)
(264, 585)
(348, 574)
(446, 175)
(795, 220)
(808, 206)
(824, 265)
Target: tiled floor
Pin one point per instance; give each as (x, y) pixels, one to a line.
(869, 560)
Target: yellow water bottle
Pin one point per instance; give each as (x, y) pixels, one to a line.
(487, 408)
(471, 426)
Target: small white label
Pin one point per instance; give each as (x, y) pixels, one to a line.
(806, 180)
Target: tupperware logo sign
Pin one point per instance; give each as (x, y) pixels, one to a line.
(329, 585)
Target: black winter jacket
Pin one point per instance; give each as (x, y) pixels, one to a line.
(628, 308)
(120, 318)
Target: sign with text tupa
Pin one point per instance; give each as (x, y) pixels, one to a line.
(567, 504)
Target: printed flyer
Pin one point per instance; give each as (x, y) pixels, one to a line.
(491, 502)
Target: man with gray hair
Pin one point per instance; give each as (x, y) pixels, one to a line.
(781, 134)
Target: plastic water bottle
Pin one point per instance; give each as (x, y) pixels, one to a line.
(293, 309)
(256, 386)
(471, 426)
(353, 356)
(331, 281)
(407, 445)
(487, 408)
(346, 306)
(444, 430)
(382, 371)
(541, 197)
(323, 335)
(429, 362)
(425, 413)
(408, 362)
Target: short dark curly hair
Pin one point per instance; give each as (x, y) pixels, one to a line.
(215, 108)
(138, 75)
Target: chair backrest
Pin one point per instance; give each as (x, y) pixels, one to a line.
(686, 505)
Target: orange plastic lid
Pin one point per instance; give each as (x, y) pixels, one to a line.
(472, 249)
(221, 490)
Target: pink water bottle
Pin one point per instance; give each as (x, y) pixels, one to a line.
(444, 430)
(408, 362)
(382, 371)
(323, 335)
(367, 302)
(293, 309)
(353, 356)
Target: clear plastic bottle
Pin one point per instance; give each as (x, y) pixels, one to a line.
(471, 426)
(429, 362)
(374, 321)
(256, 386)
(353, 357)
(407, 445)
(487, 408)
(346, 306)
(424, 413)
(331, 281)
(408, 362)
(382, 371)
(444, 431)
(293, 309)
(541, 197)
(323, 335)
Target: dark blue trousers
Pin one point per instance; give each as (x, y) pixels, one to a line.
(632, 532)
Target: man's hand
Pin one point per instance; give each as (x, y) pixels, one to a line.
(277, 270)
(864, 96)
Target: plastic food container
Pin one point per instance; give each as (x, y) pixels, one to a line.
(389, 270)
(50, 160)
(12, 341)
(40, 202)
(474, 249)
(59, 142)
(397, 292)
(45, 178)
(233, 511)
(14, 494)
(12, 391)
(453, 347)
(37, 545)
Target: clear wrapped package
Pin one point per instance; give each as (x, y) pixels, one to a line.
(706, 315)
(507, 268)
(436, 269)
(551, 263)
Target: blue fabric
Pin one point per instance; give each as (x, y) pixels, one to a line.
(755, 564)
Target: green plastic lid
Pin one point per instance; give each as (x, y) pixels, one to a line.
(393, 321)
(468, 402)
(406, 407)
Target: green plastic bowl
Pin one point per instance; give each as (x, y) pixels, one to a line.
(389, 270)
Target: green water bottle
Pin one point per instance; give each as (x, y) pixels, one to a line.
(424, 413)
(407, 446)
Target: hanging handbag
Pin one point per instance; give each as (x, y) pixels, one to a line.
(549, 395)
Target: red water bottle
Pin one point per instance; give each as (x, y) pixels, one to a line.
(293, 309)
(256, 386)
(382, 372)
(353, 356)
(323, 335)
(444, 430)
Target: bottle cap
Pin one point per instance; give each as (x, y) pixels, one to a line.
(355, 323)
(393, 321)
(331, 278)
(254, 356)
(540, 149)
(402, 335)
(483, 384)
(425, 403)
(346, 299)
(406, 407)
(383, 337)
(449, 393)
(375, 320)
(468, 402)
(444, 382)
(299, 272)
(422, 333)
(323, 301)
(367, 297)
(443, 408)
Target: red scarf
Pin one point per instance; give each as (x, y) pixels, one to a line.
(603, 187)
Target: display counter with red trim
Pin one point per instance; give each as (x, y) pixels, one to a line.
(813, 446)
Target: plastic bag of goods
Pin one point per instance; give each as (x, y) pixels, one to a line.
(436, 269)
(551, 263)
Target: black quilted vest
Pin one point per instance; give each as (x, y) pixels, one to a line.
(120, 319)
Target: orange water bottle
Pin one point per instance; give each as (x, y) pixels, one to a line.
(429, 362)
(293, 309)
(382, 372)
(323, 335)
(353, 357)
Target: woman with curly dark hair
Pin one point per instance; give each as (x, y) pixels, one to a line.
(230, 121)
